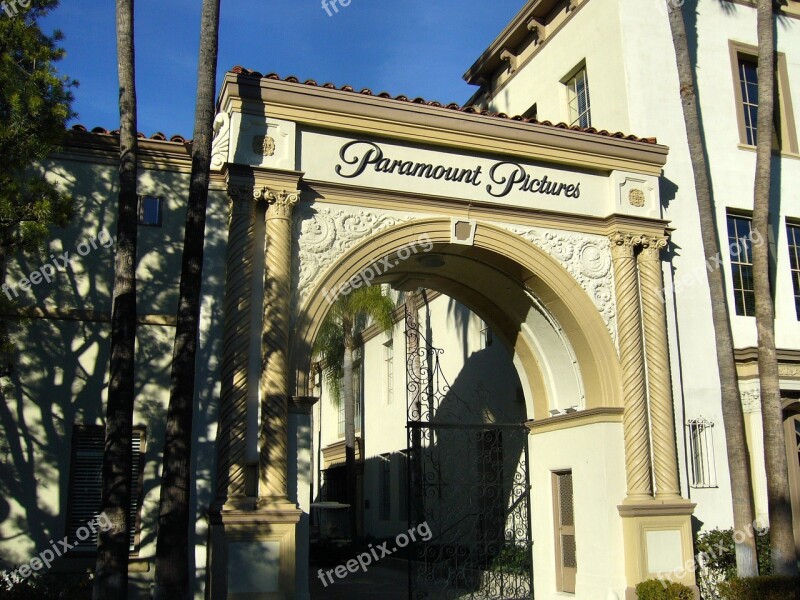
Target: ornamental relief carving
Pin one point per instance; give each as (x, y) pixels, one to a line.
(324, 235)
(751, 398)
(221, 142)
(588, 259)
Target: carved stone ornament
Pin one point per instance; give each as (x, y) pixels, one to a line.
(324, 235)
(751, 398)
(264, 145)
(636, 197)
(588, 259)
(222, 140)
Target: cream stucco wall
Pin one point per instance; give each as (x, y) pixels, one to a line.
(61, 376)
(633, 86)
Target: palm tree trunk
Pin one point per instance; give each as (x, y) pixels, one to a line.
(732, 413)
(172, 575)
(113, 545)
(784, 561)
(349, 400)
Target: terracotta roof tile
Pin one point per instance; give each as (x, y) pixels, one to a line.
(158, 136)
(239, 70)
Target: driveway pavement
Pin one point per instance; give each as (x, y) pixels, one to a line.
(385, 581)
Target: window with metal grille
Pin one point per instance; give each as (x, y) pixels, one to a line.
(793, 233)
(701, 453)
(566, 547)
(741, 249)
(580, 112)
(385, 486)
(86, 478)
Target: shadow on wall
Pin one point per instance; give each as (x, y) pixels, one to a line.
(60, 376)
(471, 470)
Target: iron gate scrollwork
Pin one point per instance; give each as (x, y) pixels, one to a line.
(468, 481)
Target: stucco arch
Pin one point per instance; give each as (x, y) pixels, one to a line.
(496, 278)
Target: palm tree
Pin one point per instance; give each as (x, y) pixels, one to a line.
(113, 545)
(337, 339)
(784, 560)
(174, 519)
(732, 412)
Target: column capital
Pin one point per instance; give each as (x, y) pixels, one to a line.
(280, 204)
(624, 244)
(652, 245)
(241, 197)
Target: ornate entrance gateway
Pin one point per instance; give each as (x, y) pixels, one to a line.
(468, 482)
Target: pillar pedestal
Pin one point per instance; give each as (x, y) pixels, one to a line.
(658, 543)
(253, 553)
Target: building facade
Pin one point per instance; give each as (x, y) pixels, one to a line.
(577, 250)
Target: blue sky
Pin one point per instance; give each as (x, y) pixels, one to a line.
(412, 47)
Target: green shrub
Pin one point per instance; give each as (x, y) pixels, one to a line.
(657, 589)
(760, 588)
(513, 559)
(716, 559)
(50, 586)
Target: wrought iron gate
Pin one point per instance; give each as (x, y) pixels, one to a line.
(468, 483)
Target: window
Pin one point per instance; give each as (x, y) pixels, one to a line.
(748, 80)
(566, 549)
(357, 395)
(532, 112)
(388, 354)
(793, 232)
(578, 99)
(150, 211)
(86, 474)
(403, 487)
(701, 453)
(744, 60)
(486, 336)
(385, 486)
(741, 247)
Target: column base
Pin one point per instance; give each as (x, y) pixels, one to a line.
(658, 542)
(252, 550)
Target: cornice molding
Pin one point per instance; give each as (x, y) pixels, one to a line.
(582, 418)
(437, 126)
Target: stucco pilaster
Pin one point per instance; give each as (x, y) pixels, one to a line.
(665, 451)
(638, 466)
(274, 382)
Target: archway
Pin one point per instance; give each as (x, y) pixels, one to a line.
(563, 351)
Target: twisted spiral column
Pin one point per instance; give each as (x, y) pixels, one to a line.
(235, 344)
(274, 382)
(665, 450)
(629, 323)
